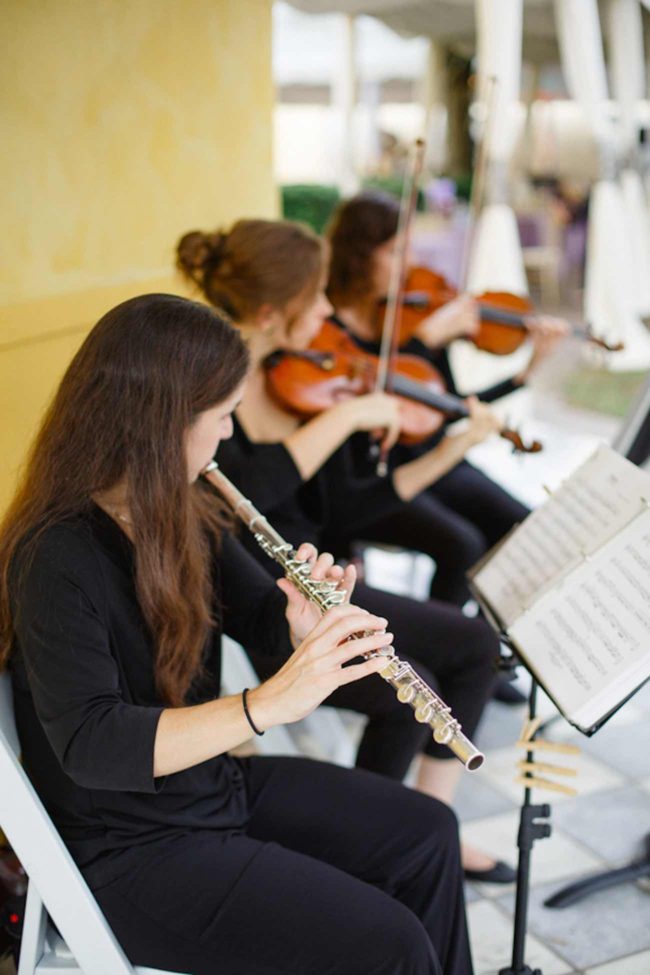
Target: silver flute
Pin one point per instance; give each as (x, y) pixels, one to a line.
(429, 708)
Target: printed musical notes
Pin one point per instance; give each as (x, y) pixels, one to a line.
(571, 589)
(590, 507)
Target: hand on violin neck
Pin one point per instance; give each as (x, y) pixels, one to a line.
(456, 319)
(481, 423)
(548, 326)
(374, 413)
(545, 338)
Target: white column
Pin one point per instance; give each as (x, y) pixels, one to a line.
(627, 72)
(343, 102)
(433, 98)
(610, 295)
(496, 262)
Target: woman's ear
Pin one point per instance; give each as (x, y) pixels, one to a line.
(268, 319)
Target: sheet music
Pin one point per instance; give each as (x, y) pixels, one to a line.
(588, 639)
(602, 496)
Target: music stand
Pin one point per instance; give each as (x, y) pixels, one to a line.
(633, 442)
(534, 823)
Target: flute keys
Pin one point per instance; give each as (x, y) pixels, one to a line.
(444, 734)
(406, 693)
(423, 713)
(390, 670)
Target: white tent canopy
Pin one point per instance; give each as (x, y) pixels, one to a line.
(451, 22)
(305, 49)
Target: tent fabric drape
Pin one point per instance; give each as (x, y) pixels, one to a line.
(627, 72)
(583, 63)
(499, 25)
(611, 292)
(627, 68)
(609, 305)
(496, 261)
(637, 220)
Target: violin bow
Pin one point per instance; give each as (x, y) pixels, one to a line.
(390, 330)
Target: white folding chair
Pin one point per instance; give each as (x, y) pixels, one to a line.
(320, 735)
(237, 673)
(56, 888)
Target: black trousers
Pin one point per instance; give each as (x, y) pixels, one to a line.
(454, 654)
(455, 521)
(339, 872)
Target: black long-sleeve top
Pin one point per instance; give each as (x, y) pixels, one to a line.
(343, 492)
(86, 704)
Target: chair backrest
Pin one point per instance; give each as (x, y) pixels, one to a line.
(7, 723)
(46, 860)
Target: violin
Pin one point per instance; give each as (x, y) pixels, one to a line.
(505, 319)
(334, 368)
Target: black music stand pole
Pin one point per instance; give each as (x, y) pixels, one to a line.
(531, 828)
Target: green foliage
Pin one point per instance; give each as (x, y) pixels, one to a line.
(603, 391)
(393, 185)
(314, 203)
(311, 203)
(463, 183)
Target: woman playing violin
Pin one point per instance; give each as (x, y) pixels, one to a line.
(269, 277)
(463, 513)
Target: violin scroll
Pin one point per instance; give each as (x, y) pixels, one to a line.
(518, 445)
(601, 343)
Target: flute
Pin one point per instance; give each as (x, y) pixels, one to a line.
(429, 708)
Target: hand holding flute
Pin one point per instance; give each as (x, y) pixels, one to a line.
(316, 668)
(327, 594)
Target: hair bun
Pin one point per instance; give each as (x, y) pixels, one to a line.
(197, 252)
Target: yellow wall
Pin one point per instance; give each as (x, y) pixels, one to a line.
(125, 123)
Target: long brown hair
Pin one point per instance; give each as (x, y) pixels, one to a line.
(358, 226)
(142, 375)
(257, 262)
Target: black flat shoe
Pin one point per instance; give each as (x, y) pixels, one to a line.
(506, 692)
(500, 873)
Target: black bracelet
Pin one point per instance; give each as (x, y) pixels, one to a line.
(248, 714)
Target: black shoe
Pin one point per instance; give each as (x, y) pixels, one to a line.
(506, 692)
(500, 873)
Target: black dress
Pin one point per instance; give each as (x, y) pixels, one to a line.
(459, 517)
(264, 866)
(453, 652)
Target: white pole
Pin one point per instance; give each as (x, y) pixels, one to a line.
(433, 100)
(343, 102)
